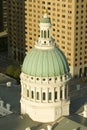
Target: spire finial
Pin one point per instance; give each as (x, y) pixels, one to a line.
(46, 11)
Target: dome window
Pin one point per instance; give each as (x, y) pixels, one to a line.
(56, 78)
(50, 96)
(66, 93)
(45, 42)
(61, 78)
(32, 94)
(41, 33)
(37, 95)
(48, 33)
(44, 34)
(50, 79)
(55, 95)
(37, 78)
(44, 96)
(32, 78)
(27, 93)
(60, 93)
(44, 79)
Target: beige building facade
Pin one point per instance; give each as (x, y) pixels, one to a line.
(69, 19)
(69, 29)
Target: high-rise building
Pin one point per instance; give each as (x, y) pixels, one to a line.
(4, 6)
(16, 32)
(69, 19)
(3, 15)
(3, 25)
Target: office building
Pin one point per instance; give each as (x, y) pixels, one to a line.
(16, 32)
(69, 19)
(3, 15)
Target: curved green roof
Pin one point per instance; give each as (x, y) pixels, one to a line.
(45, 20)
(45, 63)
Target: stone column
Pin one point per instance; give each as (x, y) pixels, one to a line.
(67, 91)
(41, 95)
(53, 95)
(58, 93)
(63, 92)
(35, 94)
(30, 93)
(47, 93)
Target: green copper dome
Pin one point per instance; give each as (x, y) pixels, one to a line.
(45, 20)
(45, 63)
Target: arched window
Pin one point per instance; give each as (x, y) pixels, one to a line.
(44, 34)
(27, 92)
(55, 96)
(37, 95)
(60, 93)
(66, 93)
(44, 96)
(50, 96)
(41, 33)
(48, 33)
(32, 94)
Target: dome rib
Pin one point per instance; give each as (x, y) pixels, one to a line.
(45, 63)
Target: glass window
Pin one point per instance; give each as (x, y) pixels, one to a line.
(32, 94)
(37, 95)
(44, 96)
(44, 34)
(41, 33)
(50, 96)
(27, 93)
(55, 95)
(61, 94)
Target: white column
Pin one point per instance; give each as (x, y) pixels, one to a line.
(47, 94)
(41, 95)
(63, 92)
(30, 93)
(35, 94)
(67, 91)
(58, 93)
(53, 95)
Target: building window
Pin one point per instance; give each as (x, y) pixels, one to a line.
(48, 33)
(60, 93)
(32, 94)
(50, 96)
(55, 95)
(41, 33)
(44, 34)
(37, 95)
(27, 93)
(44, 96)
(66, 93)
